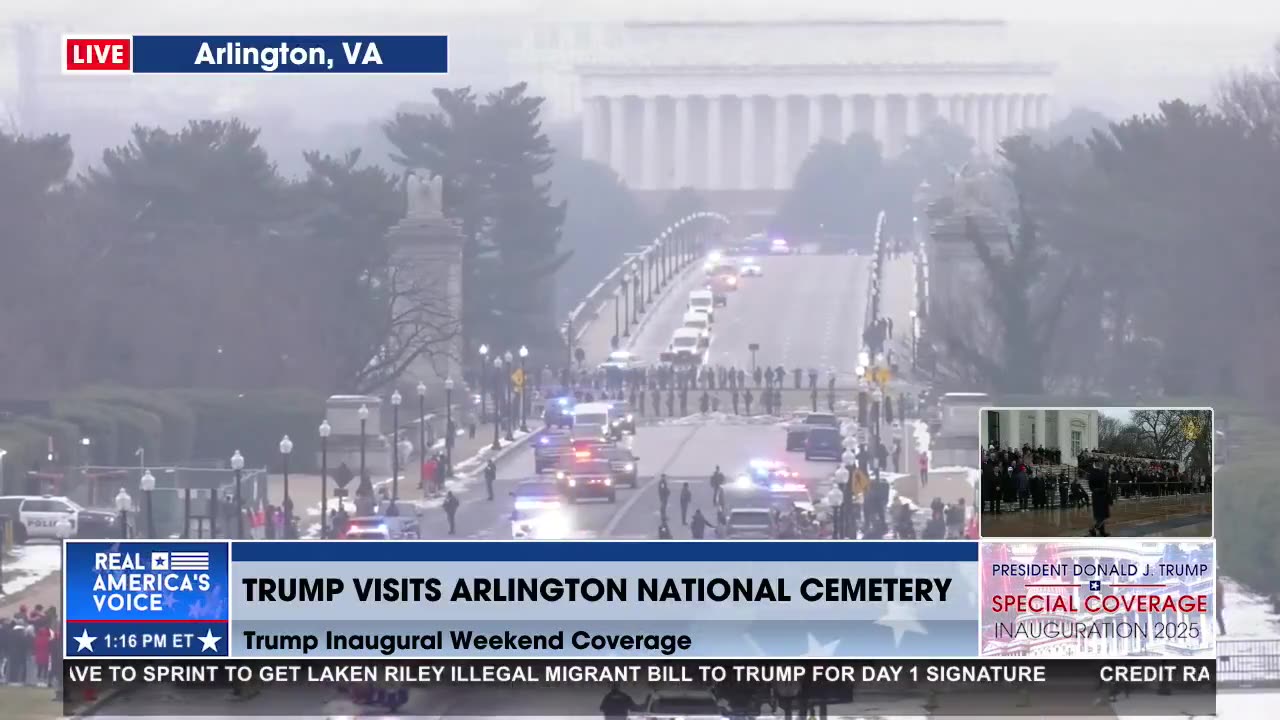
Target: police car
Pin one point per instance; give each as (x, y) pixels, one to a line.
(538, 511)
(35, 517)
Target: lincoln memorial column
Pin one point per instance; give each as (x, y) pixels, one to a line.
(682, 142)
(986, 129)
(781, 138)
(880, 121)
(815, 119)
(590, 128)
(649, 151)
(715, 170)
(1015, 114)
(1000, 118)
(1042, 111)
(957, 111)
(846, 117)
(971, 120)
(748, 150)
(913, 116)
(617, 137)
(1029, 111)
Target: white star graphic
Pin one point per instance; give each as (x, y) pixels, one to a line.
(209, 641)
(900, 618)
(818, 649)
(84, 641)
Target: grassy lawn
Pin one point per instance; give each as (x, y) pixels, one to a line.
(47, 592)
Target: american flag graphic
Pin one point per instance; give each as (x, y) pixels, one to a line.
(189, 561)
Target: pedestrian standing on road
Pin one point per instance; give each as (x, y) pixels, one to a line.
(490, 475)
(813, 379)
(717, 486)
(742, 378)
(757, 376)
(735, 400)
(686, 497)
(657, 402)
(897, 454)
(671, 402)
(698, 528)
(451, 511)
(704, 403)
(664, 495)
(684, 402)
(924, 468)
(813, 398)
(746, 398)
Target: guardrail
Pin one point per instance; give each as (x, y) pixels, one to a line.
(877, 273)
(1249, 663)
(674, 249)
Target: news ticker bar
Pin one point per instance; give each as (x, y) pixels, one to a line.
(576, 687)
(254, 54)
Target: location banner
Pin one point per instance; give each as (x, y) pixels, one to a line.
(433, 599)
(828, 687)
(1099, 598)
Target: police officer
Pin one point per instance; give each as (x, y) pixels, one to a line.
(735, 399)
(757, 376)
(717, 486)
(813, 379)
(686, 497)
(657, 402)
(671, 402)
(746, 398)
(704, 403)
(451, 511)
(684, 401)
(490, 475)
(616, 704)
(798, 376)
(664, 494)
(813, 398)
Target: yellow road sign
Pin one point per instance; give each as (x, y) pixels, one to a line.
(517, 378)
(881, 376)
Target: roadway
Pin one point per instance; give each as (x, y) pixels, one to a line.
(806, 310)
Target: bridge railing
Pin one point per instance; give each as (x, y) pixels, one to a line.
(1249, 663)
(679, 245)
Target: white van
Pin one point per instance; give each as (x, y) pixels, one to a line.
(698, 321)
(592, 419)
(687, 346)
(703, 301)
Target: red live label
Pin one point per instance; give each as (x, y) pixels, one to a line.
(90, 54)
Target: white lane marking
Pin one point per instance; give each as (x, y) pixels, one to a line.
(639, 492)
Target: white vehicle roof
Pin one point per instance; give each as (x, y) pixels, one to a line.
(621, 355)
(592, 408)
(700, 294)
(684, 332)
(695, 316)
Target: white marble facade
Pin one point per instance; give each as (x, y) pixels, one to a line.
(737, 105)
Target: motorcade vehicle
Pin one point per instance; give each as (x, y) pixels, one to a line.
(760, 474)
(36, 517)
(686, 347)
(684, 705)
(588, 478)
(720, 287)
(703, 301)
(592, 419)
(748, 523)
(799, 430)
(538, 511)
(382, 527)
(750, 267)
(621, 360)
(624, 421)
(823, 442)
(779, 246)
(698, 321)
(558, 412)
(548, 449)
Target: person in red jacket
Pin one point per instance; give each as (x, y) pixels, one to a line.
(428, 475)
(41, 646)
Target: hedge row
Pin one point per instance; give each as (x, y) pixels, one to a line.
(173, 426)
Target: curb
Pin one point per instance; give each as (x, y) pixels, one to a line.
(93, 706)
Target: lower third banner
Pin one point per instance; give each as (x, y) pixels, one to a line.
(666, 688)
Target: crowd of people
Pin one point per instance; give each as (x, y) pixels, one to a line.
(1035, 479)
(30, 647)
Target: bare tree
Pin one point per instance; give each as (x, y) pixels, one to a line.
(417, 322)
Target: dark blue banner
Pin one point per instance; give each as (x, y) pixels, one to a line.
(246, 54)
(146, 598)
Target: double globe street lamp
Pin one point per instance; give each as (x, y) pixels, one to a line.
(396, 399)
(237, 467)
(524, 385)
(124, 505)
(286, 447)
(508, 394)
(497, 414)
(148, 485)
(325, 430)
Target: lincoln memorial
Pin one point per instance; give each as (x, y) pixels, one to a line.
(735, 106)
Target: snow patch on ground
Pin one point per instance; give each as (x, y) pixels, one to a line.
(973, 475)
(721, 418)
(27, 565)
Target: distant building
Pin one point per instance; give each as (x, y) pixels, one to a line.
(1070, 431)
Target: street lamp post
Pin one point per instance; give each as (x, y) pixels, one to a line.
(915, 334)
(363, 414)
(877, 398)
(637, 287)
(449, 434)
(124, 504)
(396, 399)
(508, 394)
(524, 403)
(835, 499)
(617, 317)
(87, 444)
(626, 302)
(497, 372)
(325, 429)
(148, 485)
(484, 373)
(237, 467)
(286, 447)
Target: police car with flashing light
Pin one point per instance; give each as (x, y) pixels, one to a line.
(749, 267)
(549, 449)
(588, 478)
(381, 527)
(623, 420)
(760, 474)
(538, 511)
(35, 517)
(558, 412)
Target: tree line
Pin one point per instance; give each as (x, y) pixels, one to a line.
(184, 258)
